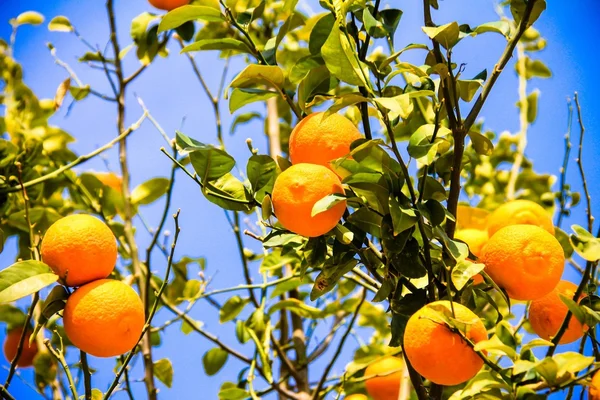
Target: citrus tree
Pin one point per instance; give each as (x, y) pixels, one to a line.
(383, 208)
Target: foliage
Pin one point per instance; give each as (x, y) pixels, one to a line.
(421, 154)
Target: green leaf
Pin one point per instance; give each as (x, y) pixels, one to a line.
(345, 100)
(232, 308)
(60, 23)
(463, 271)
(481, 143)
(12, 316)
(496, 346)
(24, 278)
(163, 370)
(532, 68)
(373, 27)
(257, 75)
(548, 369)
(585, 244)
(326, 203)
(468, 88)
(55, 302)
(397, 54)
(217, 44)
(261, 171)
(501, 27)
(303, 66)
(367, 220)
(286, 286)
(532, 105)
(401, 105)
(535, 343)
(208, 161)
(145, 37)
(328, 277)
(183, 14)
(27, 18)
(341, 58)
(186, 31)
(296, 306)
(79, 93)
(241, 97)
(149, 191)
(213, 360)
(391, 18)
(319, 81)
(572, 362)
(402, 218)
(96, 56)
(233, 393)
(517, 9)
(229, 193)
(446, 35)
(243, 119)
(320, 32)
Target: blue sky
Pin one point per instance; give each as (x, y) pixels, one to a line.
(175, 99)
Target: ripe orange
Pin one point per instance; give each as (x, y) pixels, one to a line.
(438, 353)
(318, 140)
(111, 180)
(471, 217)
(104, 318)
(474, 238)
(12, 342)
(296, 191)
(595, 387)
(386, 386)
(79, 249)
(546, 314)
(519, 212)
(168, 5)
(356, 397)
(525, 260)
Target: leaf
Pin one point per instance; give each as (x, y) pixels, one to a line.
(341, 59)
(501, 27)
(464, 271)
(446, 35)
(261, 171)
(532, 105)
(213, 360)
(229, 193)
(481, 143)
(186, 31)
(27, 18)
(373, 27)
(495, 345)
(397, 54)
(401, 105)
(163, 370)
(241, 97)
(79, 93)
(149, 191)
(468, 88)
(303, 66)
(61, 92)
(320, 32)
(217, 44)
(296, 306)
(367, 220)
(232, 308)
(183, 14)
(517, 9)
(233, 393)
(390, 18)
(208, 161)
(532, 68)
(326, 203)
(256, 75)
(285, 287)
(60, 23)
(585, 244)
(572, 362)
(402, 218)
(243, 119)
(12, 316)
(55, 302)
(24, 278)
(328, 277)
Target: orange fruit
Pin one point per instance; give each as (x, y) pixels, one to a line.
(111, 180)
(525, 260)
(595, 387)
(519, 212)
(168, 5)
(79, 249)
(547, 314)
(436, 351)
(357, 396)
(296, 191)
(471, 217)
(319, 140)
(386, 386)
(104, 318)
(11, 342)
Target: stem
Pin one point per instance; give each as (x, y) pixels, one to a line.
(127, 206)
(61, 359)
(522, 136)
(588, 210)
(563, 170)
(87, 377)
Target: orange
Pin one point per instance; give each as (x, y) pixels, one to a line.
(547, 314)
(168, 5)
(474, 238)
(104, 318)
(111, 180)
(386, 386)
(525, 260)
(296, 191)
(471, 217)
(79, 249)
(319, 140)
(436, 351)
(356, 397)
(595, 387)
(12, 342)
(518, 212)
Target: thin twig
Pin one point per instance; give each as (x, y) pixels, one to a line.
(87, 376)
(563, 170)
(61, 359)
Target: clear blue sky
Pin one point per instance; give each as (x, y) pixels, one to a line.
(174, 97)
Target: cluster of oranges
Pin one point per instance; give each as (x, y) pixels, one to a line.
(102, 317)
(314, 142)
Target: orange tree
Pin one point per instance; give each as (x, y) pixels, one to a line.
(379, 211)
